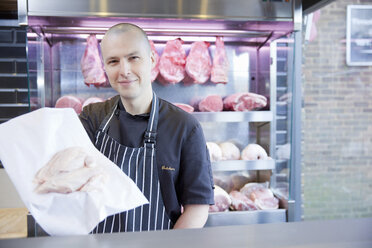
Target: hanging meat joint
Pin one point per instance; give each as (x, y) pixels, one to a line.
(220, 69)
(91, 64)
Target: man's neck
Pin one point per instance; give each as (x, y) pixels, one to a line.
(137, 106)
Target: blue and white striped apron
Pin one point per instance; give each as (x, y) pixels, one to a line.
(140, 165)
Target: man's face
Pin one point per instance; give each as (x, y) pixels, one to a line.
(128, 63)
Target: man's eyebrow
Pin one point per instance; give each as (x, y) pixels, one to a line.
(127, 55)
(109, 58)
(132, 53)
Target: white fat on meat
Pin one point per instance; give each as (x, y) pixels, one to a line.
(229, 151)
(215, 152)
(253, 152)
(72, 169)
(222, 200)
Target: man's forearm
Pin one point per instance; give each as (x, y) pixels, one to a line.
(193, 216)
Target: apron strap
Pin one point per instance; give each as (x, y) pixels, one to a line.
(107, 119)
(152, 125)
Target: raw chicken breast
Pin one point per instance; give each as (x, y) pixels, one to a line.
(69, 170)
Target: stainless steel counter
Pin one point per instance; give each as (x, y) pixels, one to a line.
(353, 233)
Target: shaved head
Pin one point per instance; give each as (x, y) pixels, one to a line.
(125, 27)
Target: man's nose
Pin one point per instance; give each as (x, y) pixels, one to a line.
(124, 67)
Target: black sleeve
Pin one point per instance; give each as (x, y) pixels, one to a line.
(195, 179)
(87, 124)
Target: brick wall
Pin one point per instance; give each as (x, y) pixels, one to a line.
(337, 123)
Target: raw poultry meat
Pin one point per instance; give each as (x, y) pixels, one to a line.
(212, 103)
(244, 101)
(215, 152)
(222, 200)
(155, 70)
(253, 152)
(240, 202)
(198, 62)
(250, 187)
(229, 151)
(92, 100)
(267, 203)
(261, 195)
(172, 62)
(69, 170)
(220, 68)
(185, 107)
(91, 64)
(69, 102)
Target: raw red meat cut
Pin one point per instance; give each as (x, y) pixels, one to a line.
(220, 69)
(185, 107)
(172, 62)
(155, 70)
(69, 102)
(244, 101)
(198, 62)
(222, 200)
(212, 103)
(92, 100)
(240, 202)
(91, 64)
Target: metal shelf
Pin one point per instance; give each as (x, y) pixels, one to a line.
(235, 165)
(230, 116)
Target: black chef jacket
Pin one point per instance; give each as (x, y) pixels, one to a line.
(182, 157)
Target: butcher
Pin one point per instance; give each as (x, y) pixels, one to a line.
(159, 146)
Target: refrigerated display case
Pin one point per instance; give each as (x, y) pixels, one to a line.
(262, 40)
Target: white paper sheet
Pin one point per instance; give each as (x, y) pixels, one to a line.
(29, 141)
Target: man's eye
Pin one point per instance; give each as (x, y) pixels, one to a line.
(134, 57)
(110, 62)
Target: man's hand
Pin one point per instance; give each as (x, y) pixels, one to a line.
(193, 216)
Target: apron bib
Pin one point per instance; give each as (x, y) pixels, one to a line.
(140, 165)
